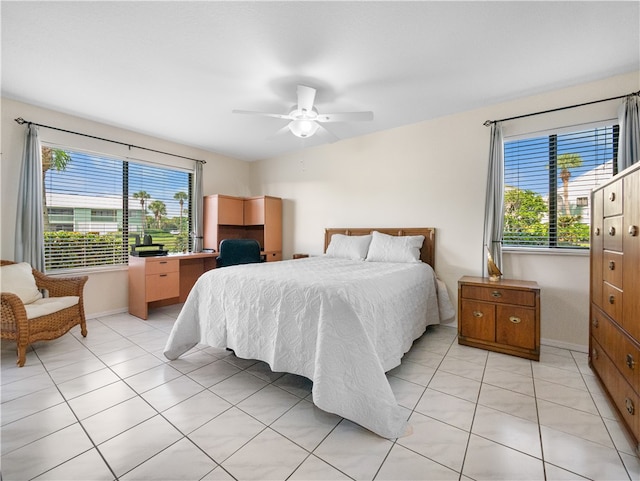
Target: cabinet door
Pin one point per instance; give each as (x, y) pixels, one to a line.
(254, 211)
(230, 211)
(631, 257)
(596, 247)
(478, 321)
(516, 326)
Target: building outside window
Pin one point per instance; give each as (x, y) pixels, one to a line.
(96, 205)
(548, 183)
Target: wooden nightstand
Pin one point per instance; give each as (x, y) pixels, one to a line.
(501, 316)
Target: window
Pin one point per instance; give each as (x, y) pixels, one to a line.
(96, 206)
(548, 182)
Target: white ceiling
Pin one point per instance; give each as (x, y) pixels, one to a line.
(177, 69)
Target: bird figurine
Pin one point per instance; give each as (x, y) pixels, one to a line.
(492, 269)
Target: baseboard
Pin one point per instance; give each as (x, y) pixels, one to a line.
(95, 315)
(565, 345)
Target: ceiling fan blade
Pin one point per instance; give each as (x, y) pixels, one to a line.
(323, 132)
(262, 114)
(345, 117)
(283, 131)
(306, 97)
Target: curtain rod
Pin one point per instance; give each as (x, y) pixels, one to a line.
(21, 121)
(487, 123)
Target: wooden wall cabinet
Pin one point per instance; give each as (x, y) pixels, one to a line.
(614, 341)
(501, 316)
(259, 218)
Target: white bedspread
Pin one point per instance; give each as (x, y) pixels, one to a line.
(340, 323)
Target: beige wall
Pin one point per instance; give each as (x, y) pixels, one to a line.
(427, 174)
(105, 291)
(433, 174)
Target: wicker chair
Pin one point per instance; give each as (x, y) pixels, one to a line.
(16, 327)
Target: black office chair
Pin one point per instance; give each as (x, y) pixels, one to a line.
(238, 251)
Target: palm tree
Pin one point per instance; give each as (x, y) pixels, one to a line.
(159, 209)
(143, 196)
(566, 162)
(181, 197)
(51, 159)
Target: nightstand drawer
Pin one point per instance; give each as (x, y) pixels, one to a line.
(162, 286)
(162, 266)
(499, 295)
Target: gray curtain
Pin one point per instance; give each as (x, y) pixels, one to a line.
(494, 202)
(29, 243)
(629, 141)
(197, 208)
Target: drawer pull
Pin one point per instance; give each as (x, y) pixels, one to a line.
(515, 320)
(612, 265)
(629, 405)
(477, 314)
(163, 262)
(631, 364)
(594, 353)
(496, 294)
(597, 231)
(633, 230)
(612, 231)
(595, 323)
(163, 275)
(612, 196)
(612, 299)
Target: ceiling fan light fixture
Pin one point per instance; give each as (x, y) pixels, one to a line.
(303, 128)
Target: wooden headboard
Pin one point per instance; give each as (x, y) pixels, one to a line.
(427, 253)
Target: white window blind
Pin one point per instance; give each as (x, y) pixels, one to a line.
(95, 205)
(548, 183)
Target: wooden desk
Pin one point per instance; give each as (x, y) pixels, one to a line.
(164, 280)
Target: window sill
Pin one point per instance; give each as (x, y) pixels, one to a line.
(87, 270)
(546, 251)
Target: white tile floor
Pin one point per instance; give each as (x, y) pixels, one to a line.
(112, 407)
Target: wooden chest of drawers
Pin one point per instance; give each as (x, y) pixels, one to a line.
(501, 316)
(615, 293)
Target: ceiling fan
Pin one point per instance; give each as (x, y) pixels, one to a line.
(304, 117)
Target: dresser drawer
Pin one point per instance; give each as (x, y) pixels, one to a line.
(623, 396)
(612, 199)
(162, 286)
(162, 266)
(612, 268)
(603, 330)
(499, 295)
(612, 235)
(626, 357)
(612, 299)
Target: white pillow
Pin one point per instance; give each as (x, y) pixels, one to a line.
(389, 248)
(18, 279)
(349, 247)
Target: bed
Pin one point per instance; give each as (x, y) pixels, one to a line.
(337, 319)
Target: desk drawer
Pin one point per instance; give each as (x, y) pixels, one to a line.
(162, 286)
(499, 295)
(162, 266)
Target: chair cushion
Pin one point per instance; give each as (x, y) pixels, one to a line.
(49, 305)
(18, 279)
